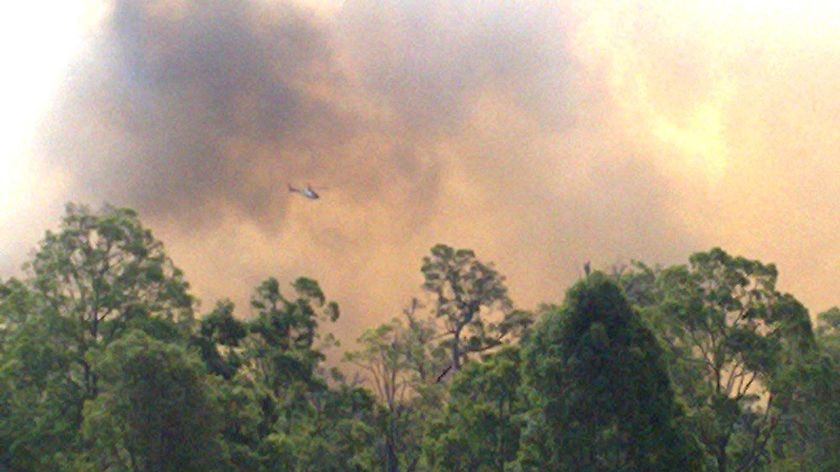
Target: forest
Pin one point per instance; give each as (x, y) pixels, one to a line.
(108, 364)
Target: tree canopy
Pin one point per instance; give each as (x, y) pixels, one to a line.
(107, 364)
(601, 390)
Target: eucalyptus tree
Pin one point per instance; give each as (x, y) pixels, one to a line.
(729, 332)
(808, 429)
(105, 272)
(100, 274)
(305, 424)
(828, 332)
(401, 361)
(465, 294)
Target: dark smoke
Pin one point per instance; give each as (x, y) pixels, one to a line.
(180, 113)
(467, 123)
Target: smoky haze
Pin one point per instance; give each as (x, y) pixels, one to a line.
(541, 135)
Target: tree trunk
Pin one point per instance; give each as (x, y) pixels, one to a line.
(456, 349)
(392, 465)
(391, 460)
(721, 454)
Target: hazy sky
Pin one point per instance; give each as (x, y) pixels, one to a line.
(539, 134)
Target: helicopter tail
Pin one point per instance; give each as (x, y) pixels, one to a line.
(292, 189)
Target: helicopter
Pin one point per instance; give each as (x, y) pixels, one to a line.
(307, 192)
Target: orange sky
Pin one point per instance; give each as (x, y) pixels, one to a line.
(540, 134)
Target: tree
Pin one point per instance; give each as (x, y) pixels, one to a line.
(730, 331)
(40, 405)
(479, 431)
(808, 430)
(239, 416)
(282, 349)
(602, 395)
(219, 336)
(639, 282)
(463, 287)
(285, 331)
(337, 437)
(154, 412)
(828, 332)
(17, 304)
(105, 272)
(403, 363)
(99, 275)
(425, 358)
(809, 394)
(383, 358)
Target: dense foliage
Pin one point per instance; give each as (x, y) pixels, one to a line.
(106, 364)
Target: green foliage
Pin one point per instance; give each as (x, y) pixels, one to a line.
(337, 437)
(465, 290)
(728, 332)
(154, 411)
(828, 332)
(106, 273)
(102, 368)
(808, 430)
(218, 338)
(303, 424)
(106, 267)
(288, 328)
(40, 398)
(17, 304)
(479, 431)
(282, 353)
(597, 377)
(809, 423)
(403, 363)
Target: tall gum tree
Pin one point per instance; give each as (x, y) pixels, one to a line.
(104, 271)
(730, 331)
(465, 292)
